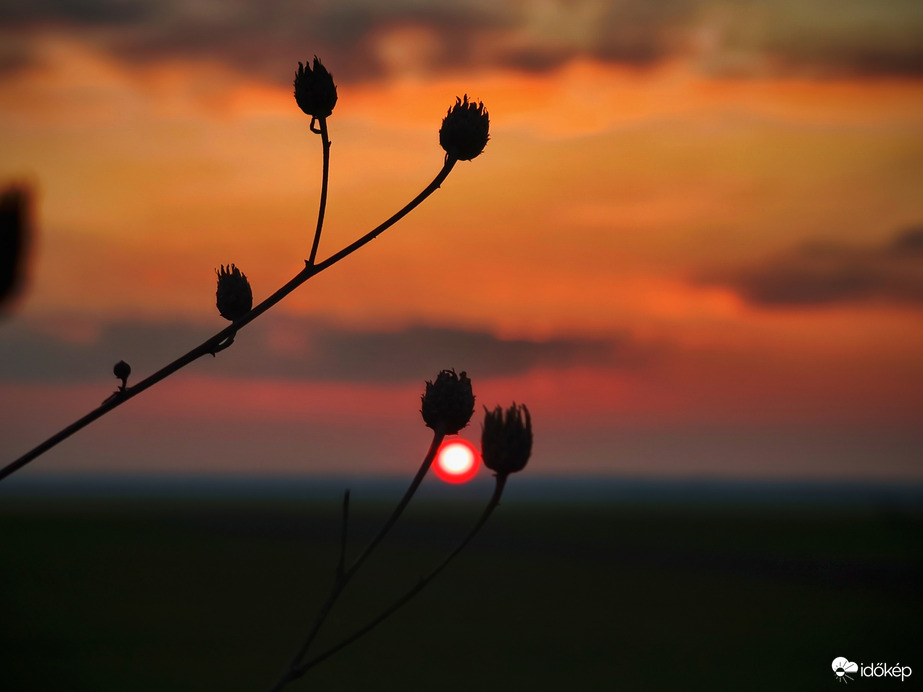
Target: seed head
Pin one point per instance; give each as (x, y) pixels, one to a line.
(234, 296)
(506, 439)
(315, 92)
(448, 403)
(465, 129)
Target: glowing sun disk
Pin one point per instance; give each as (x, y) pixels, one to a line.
(456, 461)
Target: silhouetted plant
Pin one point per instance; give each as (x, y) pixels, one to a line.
(507, 439)
(463, 135)
(122, 370)
(465, 130)
(233, 297)
(447, 403)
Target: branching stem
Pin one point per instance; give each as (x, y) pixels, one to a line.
(343, 578)
(218, 341)
(417, 588)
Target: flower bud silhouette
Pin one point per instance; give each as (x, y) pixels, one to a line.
(122, 370)
(315, 92)
(465, 129)
(234, 297)
(448, 403)
(506, 440)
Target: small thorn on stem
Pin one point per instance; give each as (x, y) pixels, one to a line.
(218, 346)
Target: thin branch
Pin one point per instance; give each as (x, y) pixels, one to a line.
(322, 208)
(409, 207)
(344, 528)
(344, 578)
(403, 600)
(218, 341)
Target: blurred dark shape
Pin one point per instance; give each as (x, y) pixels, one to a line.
(234, 296)
(465, 130)
(448, 403)
(15, 234)
(827, 273)
(506, 440)
(315, 92)
(908, 244)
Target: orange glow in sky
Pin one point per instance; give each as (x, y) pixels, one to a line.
(666, 209)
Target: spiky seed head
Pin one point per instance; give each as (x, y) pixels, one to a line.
(448, 402)
(465, 129)
(506, 439)
(234, 296)
(315, 92)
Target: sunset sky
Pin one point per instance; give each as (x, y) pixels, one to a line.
(693, 245)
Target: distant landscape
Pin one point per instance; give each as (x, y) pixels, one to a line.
(706, 589)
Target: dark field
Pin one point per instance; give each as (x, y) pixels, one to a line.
(215, 594)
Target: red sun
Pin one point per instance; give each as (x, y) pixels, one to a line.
(457, 461)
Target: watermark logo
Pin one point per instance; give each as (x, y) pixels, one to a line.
(842, 667)
(845, 670)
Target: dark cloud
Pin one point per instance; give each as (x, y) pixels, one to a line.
(826, 37)
(49, 352)
(16, 55)
(266, 37)
(827, 273)
(85, 12)
(290, 348)
(908, 244)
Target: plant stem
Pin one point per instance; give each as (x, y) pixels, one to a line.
(372, 624)
(344, 529)
(409, 207)
(343, 578)
(325, 140)
(221, 339)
